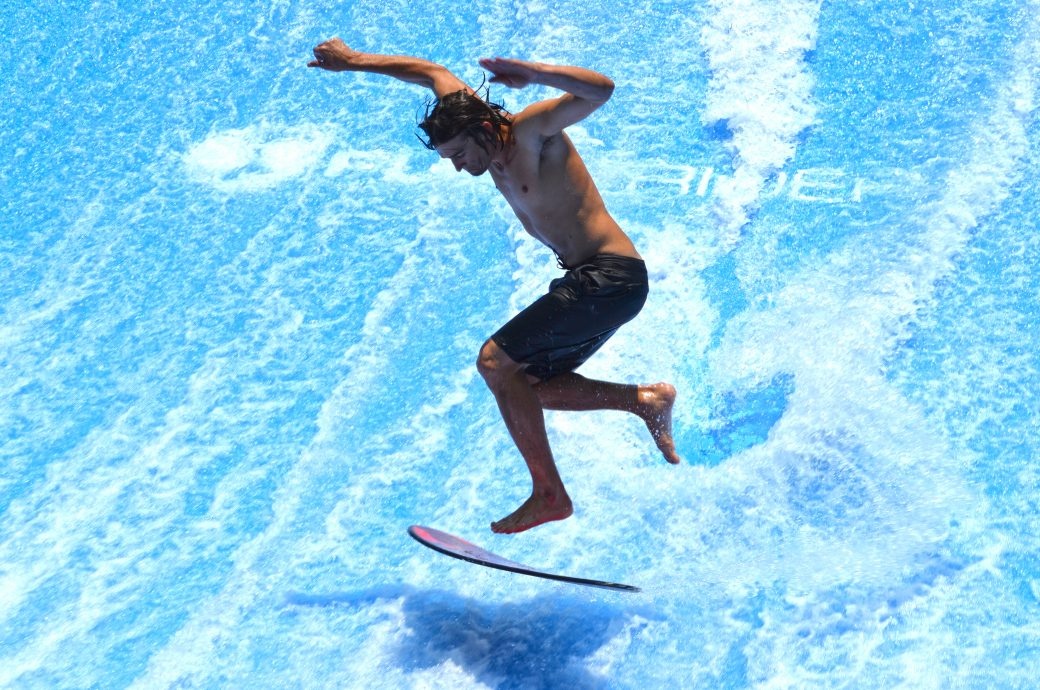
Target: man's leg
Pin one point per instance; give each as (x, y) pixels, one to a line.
(650, 402)
(522, 412)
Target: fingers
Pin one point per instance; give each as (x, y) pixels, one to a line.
(328, 53)
(319, 59)
(330, 47)
(499, 64)
(505, 71)
(507, 67)
(335, 42)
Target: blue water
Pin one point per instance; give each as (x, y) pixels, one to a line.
(241, 305)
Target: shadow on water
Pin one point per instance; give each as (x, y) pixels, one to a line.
(545, 642)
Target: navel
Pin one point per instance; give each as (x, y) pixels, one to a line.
(523, 188)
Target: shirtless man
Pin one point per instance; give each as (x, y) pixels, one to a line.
(529, 363)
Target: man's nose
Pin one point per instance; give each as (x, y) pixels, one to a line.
(458, 166)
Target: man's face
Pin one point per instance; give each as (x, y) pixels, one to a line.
(465, 154)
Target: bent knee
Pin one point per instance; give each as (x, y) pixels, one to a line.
(493, 363)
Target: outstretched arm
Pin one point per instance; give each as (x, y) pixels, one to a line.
(586, 90)
(336, 56)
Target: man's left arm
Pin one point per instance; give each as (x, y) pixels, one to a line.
(585, 90)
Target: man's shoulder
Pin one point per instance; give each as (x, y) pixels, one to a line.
(529, 136)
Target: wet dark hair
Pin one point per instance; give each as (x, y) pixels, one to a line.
(461, 112)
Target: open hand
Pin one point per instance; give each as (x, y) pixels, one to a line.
(516, 74)
(333, 55)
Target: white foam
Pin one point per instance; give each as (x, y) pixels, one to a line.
(391, 166)
(834, 329)
(761, 89)
(257, 157)
(196, 648)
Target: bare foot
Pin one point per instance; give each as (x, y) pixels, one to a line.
(536, 510)
(655, 408)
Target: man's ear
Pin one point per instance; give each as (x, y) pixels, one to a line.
(492, 133)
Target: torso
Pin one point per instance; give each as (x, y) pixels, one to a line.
(549, 188)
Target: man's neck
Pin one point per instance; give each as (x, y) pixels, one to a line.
(504, 151)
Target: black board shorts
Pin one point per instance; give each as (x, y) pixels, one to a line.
(564, 327)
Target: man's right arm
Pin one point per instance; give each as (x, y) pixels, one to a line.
(336, 56)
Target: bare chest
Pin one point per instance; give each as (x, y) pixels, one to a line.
(536, 187)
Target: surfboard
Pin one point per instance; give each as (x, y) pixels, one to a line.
(453, 546)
